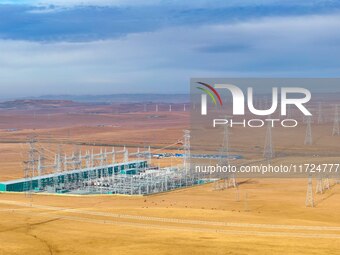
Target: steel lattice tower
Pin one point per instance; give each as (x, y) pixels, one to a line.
(336, 130)
(57, 169)
(225, 150)
(187, 155)
(30, 167)
(268, 152)
(40, 166)
(326, 184)
(319, 185)
(126, 154)
(309, 196)
(308, 137)
(224, 160)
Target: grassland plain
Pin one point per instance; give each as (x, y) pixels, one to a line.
(262, 216)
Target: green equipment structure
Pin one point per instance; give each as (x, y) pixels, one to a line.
(42, 181)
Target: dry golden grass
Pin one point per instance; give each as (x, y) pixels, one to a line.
(278, 205)
(30, 230)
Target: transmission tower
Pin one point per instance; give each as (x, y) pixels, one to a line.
(76, 157)
(229, 180)
(309, 196)
(231, 177)
(223, 161)
(40, 166)
(319, 185)
(30, 167)
(186, 156)
(113, 159)
(320, 115)
(105, 170)
(232, 181)
(326, 184)
(57, 164)
(268, 152)
(149, 156)
(336, 130)
(126, 154)
(308, 137)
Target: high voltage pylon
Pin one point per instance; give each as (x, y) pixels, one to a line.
(57, 169)
(224, 156)
(229, 180)
(320, 115)
(224, 184)
(326, 184)
(319, 185)
(30, 167)
(308, 136)
(310, 195)
(40, 166)
(231, 177)
(268, 152)
(336, 130)
(187, 154)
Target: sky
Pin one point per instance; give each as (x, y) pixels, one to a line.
(155, 46)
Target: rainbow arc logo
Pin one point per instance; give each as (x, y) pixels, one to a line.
(209, 90)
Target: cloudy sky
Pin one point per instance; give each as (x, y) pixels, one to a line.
(156, 46)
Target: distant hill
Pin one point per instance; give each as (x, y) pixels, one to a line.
(120, 98)
(32, 104)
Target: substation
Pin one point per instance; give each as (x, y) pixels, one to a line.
(105, 172)
(123, 172)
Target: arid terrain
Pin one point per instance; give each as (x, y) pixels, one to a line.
(261, 216)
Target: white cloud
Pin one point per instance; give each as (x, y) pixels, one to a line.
(165, 60)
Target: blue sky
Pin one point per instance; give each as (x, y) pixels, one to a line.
(150, 46)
